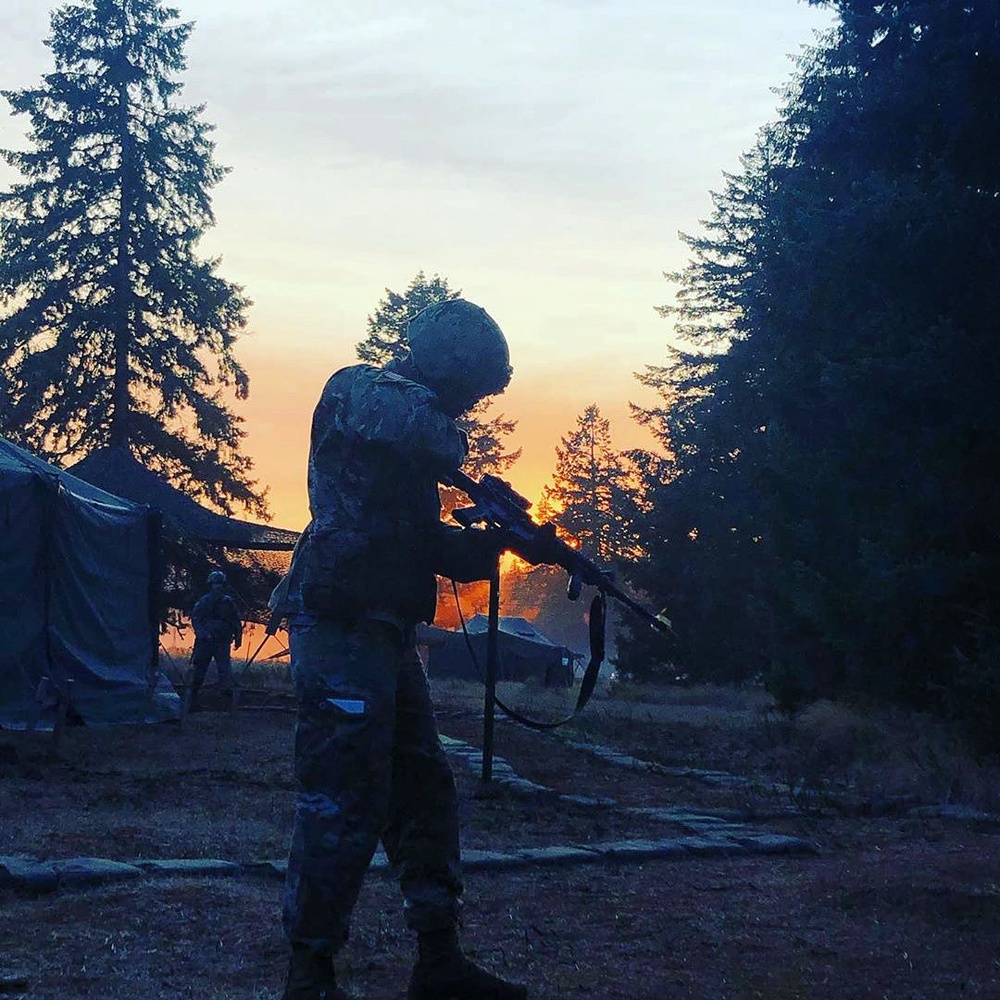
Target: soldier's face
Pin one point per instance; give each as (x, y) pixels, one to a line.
(454, 404)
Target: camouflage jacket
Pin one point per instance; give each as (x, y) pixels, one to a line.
(215, 618)
(378, 447)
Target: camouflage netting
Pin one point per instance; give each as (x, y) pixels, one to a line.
(117, 471)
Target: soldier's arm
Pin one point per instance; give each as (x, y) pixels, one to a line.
(237, 624)
(198, 615)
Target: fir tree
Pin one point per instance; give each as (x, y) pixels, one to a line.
(592, 500)
(113, 332)
(590, 496)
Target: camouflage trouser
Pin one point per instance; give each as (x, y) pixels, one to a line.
(370, 766)
(205, 650)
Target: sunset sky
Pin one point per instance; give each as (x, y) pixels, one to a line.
(542, 156)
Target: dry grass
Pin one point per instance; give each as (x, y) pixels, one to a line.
(830, 754)
(262, 674)
(873, 759)
(885, 756)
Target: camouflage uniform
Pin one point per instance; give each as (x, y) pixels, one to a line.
(368, 759)
(216, 624)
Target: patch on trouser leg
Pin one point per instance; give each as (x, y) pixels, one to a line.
(354, 707)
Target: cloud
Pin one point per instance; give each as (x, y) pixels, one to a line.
(574, 100)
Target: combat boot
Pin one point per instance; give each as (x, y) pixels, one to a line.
(311, 977)
(442, 972)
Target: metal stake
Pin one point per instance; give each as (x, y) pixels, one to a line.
(491, 674)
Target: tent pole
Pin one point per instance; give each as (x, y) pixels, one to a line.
(155, 586)
(489, 700)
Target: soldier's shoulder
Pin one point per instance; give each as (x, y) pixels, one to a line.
(344, 378)
(360, 399)
(368, 384)
(393, 383)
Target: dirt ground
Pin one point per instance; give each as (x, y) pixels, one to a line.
(890, 906)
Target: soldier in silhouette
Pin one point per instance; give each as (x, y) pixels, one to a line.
(368, 760)
(217, 624)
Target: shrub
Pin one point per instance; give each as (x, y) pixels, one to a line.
(789, 686)
(972, 698)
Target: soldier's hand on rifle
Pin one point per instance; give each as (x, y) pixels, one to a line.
(466, 554)
(537, 548)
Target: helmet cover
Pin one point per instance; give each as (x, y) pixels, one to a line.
(460, 350)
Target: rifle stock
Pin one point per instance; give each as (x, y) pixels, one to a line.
(498, 506)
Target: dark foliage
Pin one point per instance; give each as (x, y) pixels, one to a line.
(112, 330)
(828, 509)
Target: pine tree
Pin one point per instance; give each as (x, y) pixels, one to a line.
(590, 496)
(113, 332)
(592, 500)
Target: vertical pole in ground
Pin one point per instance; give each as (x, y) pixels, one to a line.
(63, 705)
(492, 659)
(154, 567)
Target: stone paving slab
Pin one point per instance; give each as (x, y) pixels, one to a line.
(78, 872)
(640, 849)
(190, 866)
(596, 801)
(699, 824)
(555, 855)
(266, 868)
(28, 874)
(761, 842)
(35, 877)
(711, 846)
(955, 812)
(475, 860)
(610, 756)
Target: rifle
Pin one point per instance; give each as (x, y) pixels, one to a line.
(497, 506)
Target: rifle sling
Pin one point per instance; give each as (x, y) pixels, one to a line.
(597, 622)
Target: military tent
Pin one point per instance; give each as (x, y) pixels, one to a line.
(78, 585)
(524, 653)
(115, 468)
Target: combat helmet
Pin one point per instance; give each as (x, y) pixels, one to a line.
(216, 576)
(460, 351)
